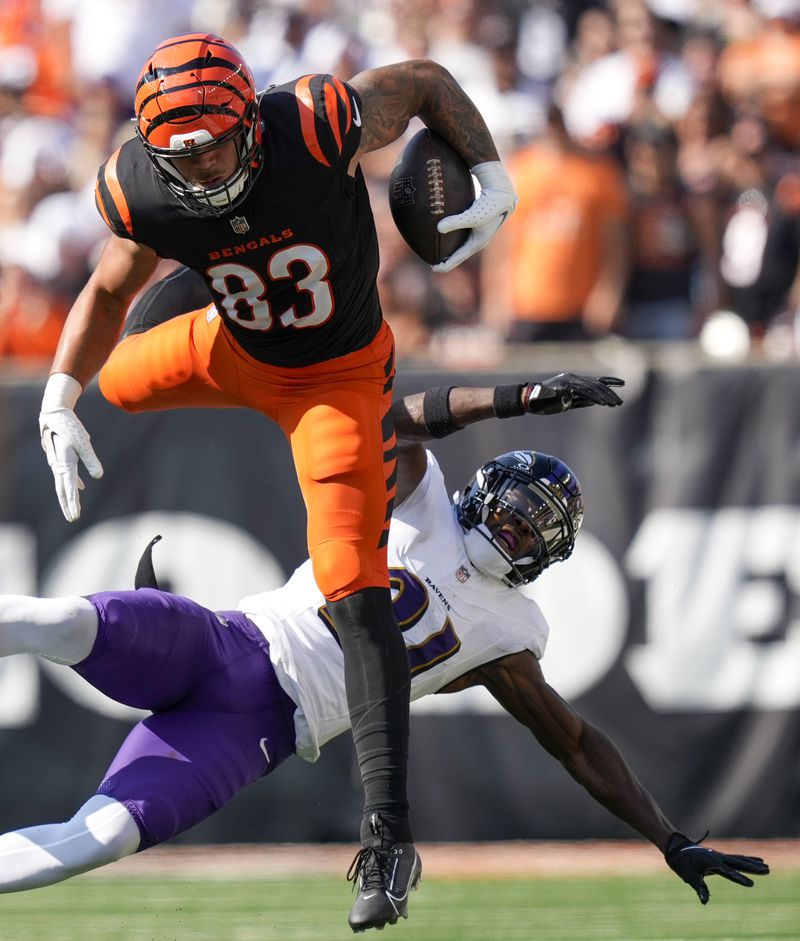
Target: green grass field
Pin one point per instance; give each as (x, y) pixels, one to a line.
(621, 908)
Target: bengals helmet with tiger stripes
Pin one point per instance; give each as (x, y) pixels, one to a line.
(194, 93)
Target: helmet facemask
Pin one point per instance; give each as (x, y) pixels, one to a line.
(224, 196)
(195, 94)
(521, 513)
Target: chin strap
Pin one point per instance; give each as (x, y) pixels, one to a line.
(145, 573)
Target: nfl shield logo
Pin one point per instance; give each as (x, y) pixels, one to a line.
(462, 575)
(240, 225)
(403, 191)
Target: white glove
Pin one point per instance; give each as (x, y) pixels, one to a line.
(496, 202)
(65, 440)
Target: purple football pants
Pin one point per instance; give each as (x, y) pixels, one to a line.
(220, 718)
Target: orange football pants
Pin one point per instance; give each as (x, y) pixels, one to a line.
(335, 415)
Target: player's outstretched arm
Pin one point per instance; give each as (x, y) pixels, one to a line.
(439, 412)
(596, 763)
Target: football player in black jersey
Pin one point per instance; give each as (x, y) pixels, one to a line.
(262, 195)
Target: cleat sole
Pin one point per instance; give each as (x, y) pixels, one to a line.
(362, 928)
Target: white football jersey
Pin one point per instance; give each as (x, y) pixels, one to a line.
(452, 617)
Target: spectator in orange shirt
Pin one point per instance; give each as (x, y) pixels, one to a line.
(32, 317)
(761, 73)
(26, 32)
(560, 269)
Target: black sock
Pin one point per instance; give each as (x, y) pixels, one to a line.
(378, 684)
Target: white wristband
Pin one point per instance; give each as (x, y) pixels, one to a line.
(493, 175)
(61, 391)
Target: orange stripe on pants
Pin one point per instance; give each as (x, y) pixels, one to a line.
(331, 413)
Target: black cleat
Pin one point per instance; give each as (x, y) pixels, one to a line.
(385, 877)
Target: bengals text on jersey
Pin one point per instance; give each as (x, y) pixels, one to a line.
(293, 268)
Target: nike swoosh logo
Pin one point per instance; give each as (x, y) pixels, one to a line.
(263, 746)
(503, 217)
(356, 114)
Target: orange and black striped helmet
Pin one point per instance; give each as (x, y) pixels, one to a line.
(194, 93)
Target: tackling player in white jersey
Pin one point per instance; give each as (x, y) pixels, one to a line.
(234, 693)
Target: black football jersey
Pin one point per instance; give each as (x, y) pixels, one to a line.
(293, 267)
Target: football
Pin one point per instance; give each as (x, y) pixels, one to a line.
(429, 182)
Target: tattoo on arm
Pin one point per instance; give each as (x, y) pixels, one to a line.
(392, 95)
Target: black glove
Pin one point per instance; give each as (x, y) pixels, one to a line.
(566, 391)
(693, 862)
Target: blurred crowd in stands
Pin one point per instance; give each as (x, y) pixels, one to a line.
(653, 144)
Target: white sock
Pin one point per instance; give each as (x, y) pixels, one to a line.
(101, 832)
(58, 629)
